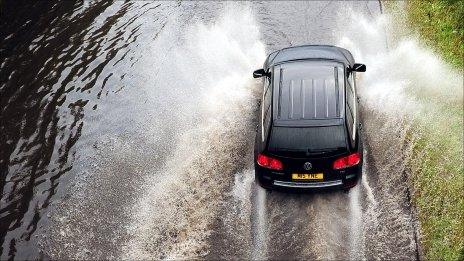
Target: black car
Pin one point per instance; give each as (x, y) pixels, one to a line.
(309, 132)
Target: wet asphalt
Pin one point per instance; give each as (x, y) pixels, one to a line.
(127, 131)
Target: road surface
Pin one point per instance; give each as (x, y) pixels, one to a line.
(127, 131)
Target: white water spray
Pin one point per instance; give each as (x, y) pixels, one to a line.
(399, 74)
(260, 244)
(174, 217)
(404, 82)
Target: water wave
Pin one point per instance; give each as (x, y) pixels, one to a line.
(175, 214)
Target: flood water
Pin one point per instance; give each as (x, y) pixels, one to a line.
(127, 128)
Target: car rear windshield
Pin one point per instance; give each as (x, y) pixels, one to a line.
(308, 93)
(307, 139)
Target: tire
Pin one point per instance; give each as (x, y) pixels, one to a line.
(262, 183)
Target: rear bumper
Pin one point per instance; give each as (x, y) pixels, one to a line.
(306, 185)
(268, 180)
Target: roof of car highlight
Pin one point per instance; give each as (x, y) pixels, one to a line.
(308, 93)
(302, 52)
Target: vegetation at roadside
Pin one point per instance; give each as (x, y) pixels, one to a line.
(437, 182)
(437, 160)
(441, 24)
(437, 136)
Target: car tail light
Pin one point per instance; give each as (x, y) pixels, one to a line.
(347, 161)
(270, 163)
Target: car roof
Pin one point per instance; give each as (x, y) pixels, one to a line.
(308, 93)
(306, 52)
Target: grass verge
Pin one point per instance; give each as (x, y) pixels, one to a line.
(441, 25)
(437, 182)
(436, 161)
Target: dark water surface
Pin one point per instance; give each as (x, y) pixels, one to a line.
(60, 61)
(126, 131)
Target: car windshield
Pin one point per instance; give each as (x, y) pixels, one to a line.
(308, 93)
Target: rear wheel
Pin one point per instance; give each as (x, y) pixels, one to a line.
(349, 184)
(263, 183)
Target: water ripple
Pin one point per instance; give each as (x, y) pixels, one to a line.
(56, 65)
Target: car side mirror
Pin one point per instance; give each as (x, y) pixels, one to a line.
(359, 67)
(260, 73)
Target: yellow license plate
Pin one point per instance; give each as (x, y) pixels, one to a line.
(315, 176)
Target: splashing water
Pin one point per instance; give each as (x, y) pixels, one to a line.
(164, 158)
(405, 83)
(397, 77)
(261, 237)
(175, 215)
